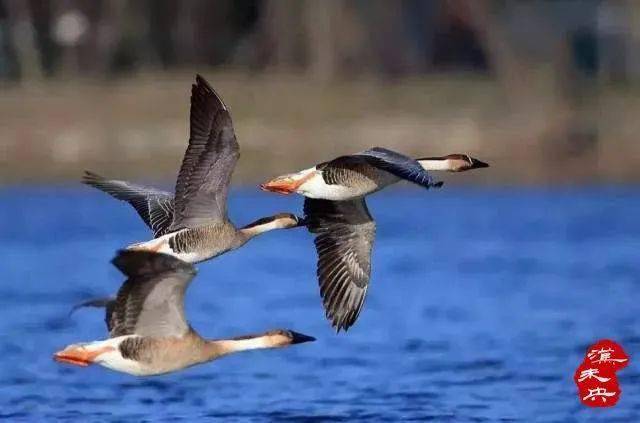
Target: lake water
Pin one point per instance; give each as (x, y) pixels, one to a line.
(481, 305)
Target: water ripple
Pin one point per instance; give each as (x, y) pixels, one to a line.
(481, 317)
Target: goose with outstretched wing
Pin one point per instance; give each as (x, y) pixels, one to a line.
(148, 331)
(193, 224)
(336, 213)
(356, 175)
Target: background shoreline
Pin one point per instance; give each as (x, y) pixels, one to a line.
(137, 127)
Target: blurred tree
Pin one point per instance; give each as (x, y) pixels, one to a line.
(420, 23)
(42, 19)
(9, 65)
(458, 36)
(162, 20)
(320, 21)
(282, 28)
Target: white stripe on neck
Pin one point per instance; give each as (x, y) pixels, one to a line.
(247, 344)
(252, 231)
(437, 164)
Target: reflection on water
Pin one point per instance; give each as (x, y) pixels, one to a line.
(482, 303)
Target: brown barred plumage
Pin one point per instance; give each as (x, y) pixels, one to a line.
(354, 173)
(215, 239)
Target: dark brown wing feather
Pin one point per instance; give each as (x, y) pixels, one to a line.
(155, 207)
(205, 174)
(347, 171)
(108, 303)
(344, 238)
(151, 301)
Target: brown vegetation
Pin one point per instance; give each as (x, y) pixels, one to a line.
(138, 127)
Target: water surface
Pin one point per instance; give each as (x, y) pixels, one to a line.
(482, 303)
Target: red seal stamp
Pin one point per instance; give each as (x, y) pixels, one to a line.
(596, 376)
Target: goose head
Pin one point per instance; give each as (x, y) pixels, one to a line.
(277, 221)
(286, 220)
(283, 338)
(266, 224)
(452, 163)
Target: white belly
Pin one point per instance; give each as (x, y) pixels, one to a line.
(156, 245)
(316, 187)
(113, 359)
(161, 245)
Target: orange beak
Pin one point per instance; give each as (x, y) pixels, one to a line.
(79, 356)
(286, 184)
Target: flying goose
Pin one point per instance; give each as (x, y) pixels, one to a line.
(336, 213)
(193, 225)
(148, 331)
(349, 177)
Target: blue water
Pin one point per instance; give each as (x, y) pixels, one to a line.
(482, 303)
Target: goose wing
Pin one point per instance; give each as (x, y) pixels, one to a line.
(151, 301)
(105, 302)
(344, 238)
(399, 165)
(155, 207)
(205, 174)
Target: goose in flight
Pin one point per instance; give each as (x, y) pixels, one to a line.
(148, 331)
(336, 213)
(193, 225)
(356, 175)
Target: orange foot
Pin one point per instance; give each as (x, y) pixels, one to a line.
(79, 356)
